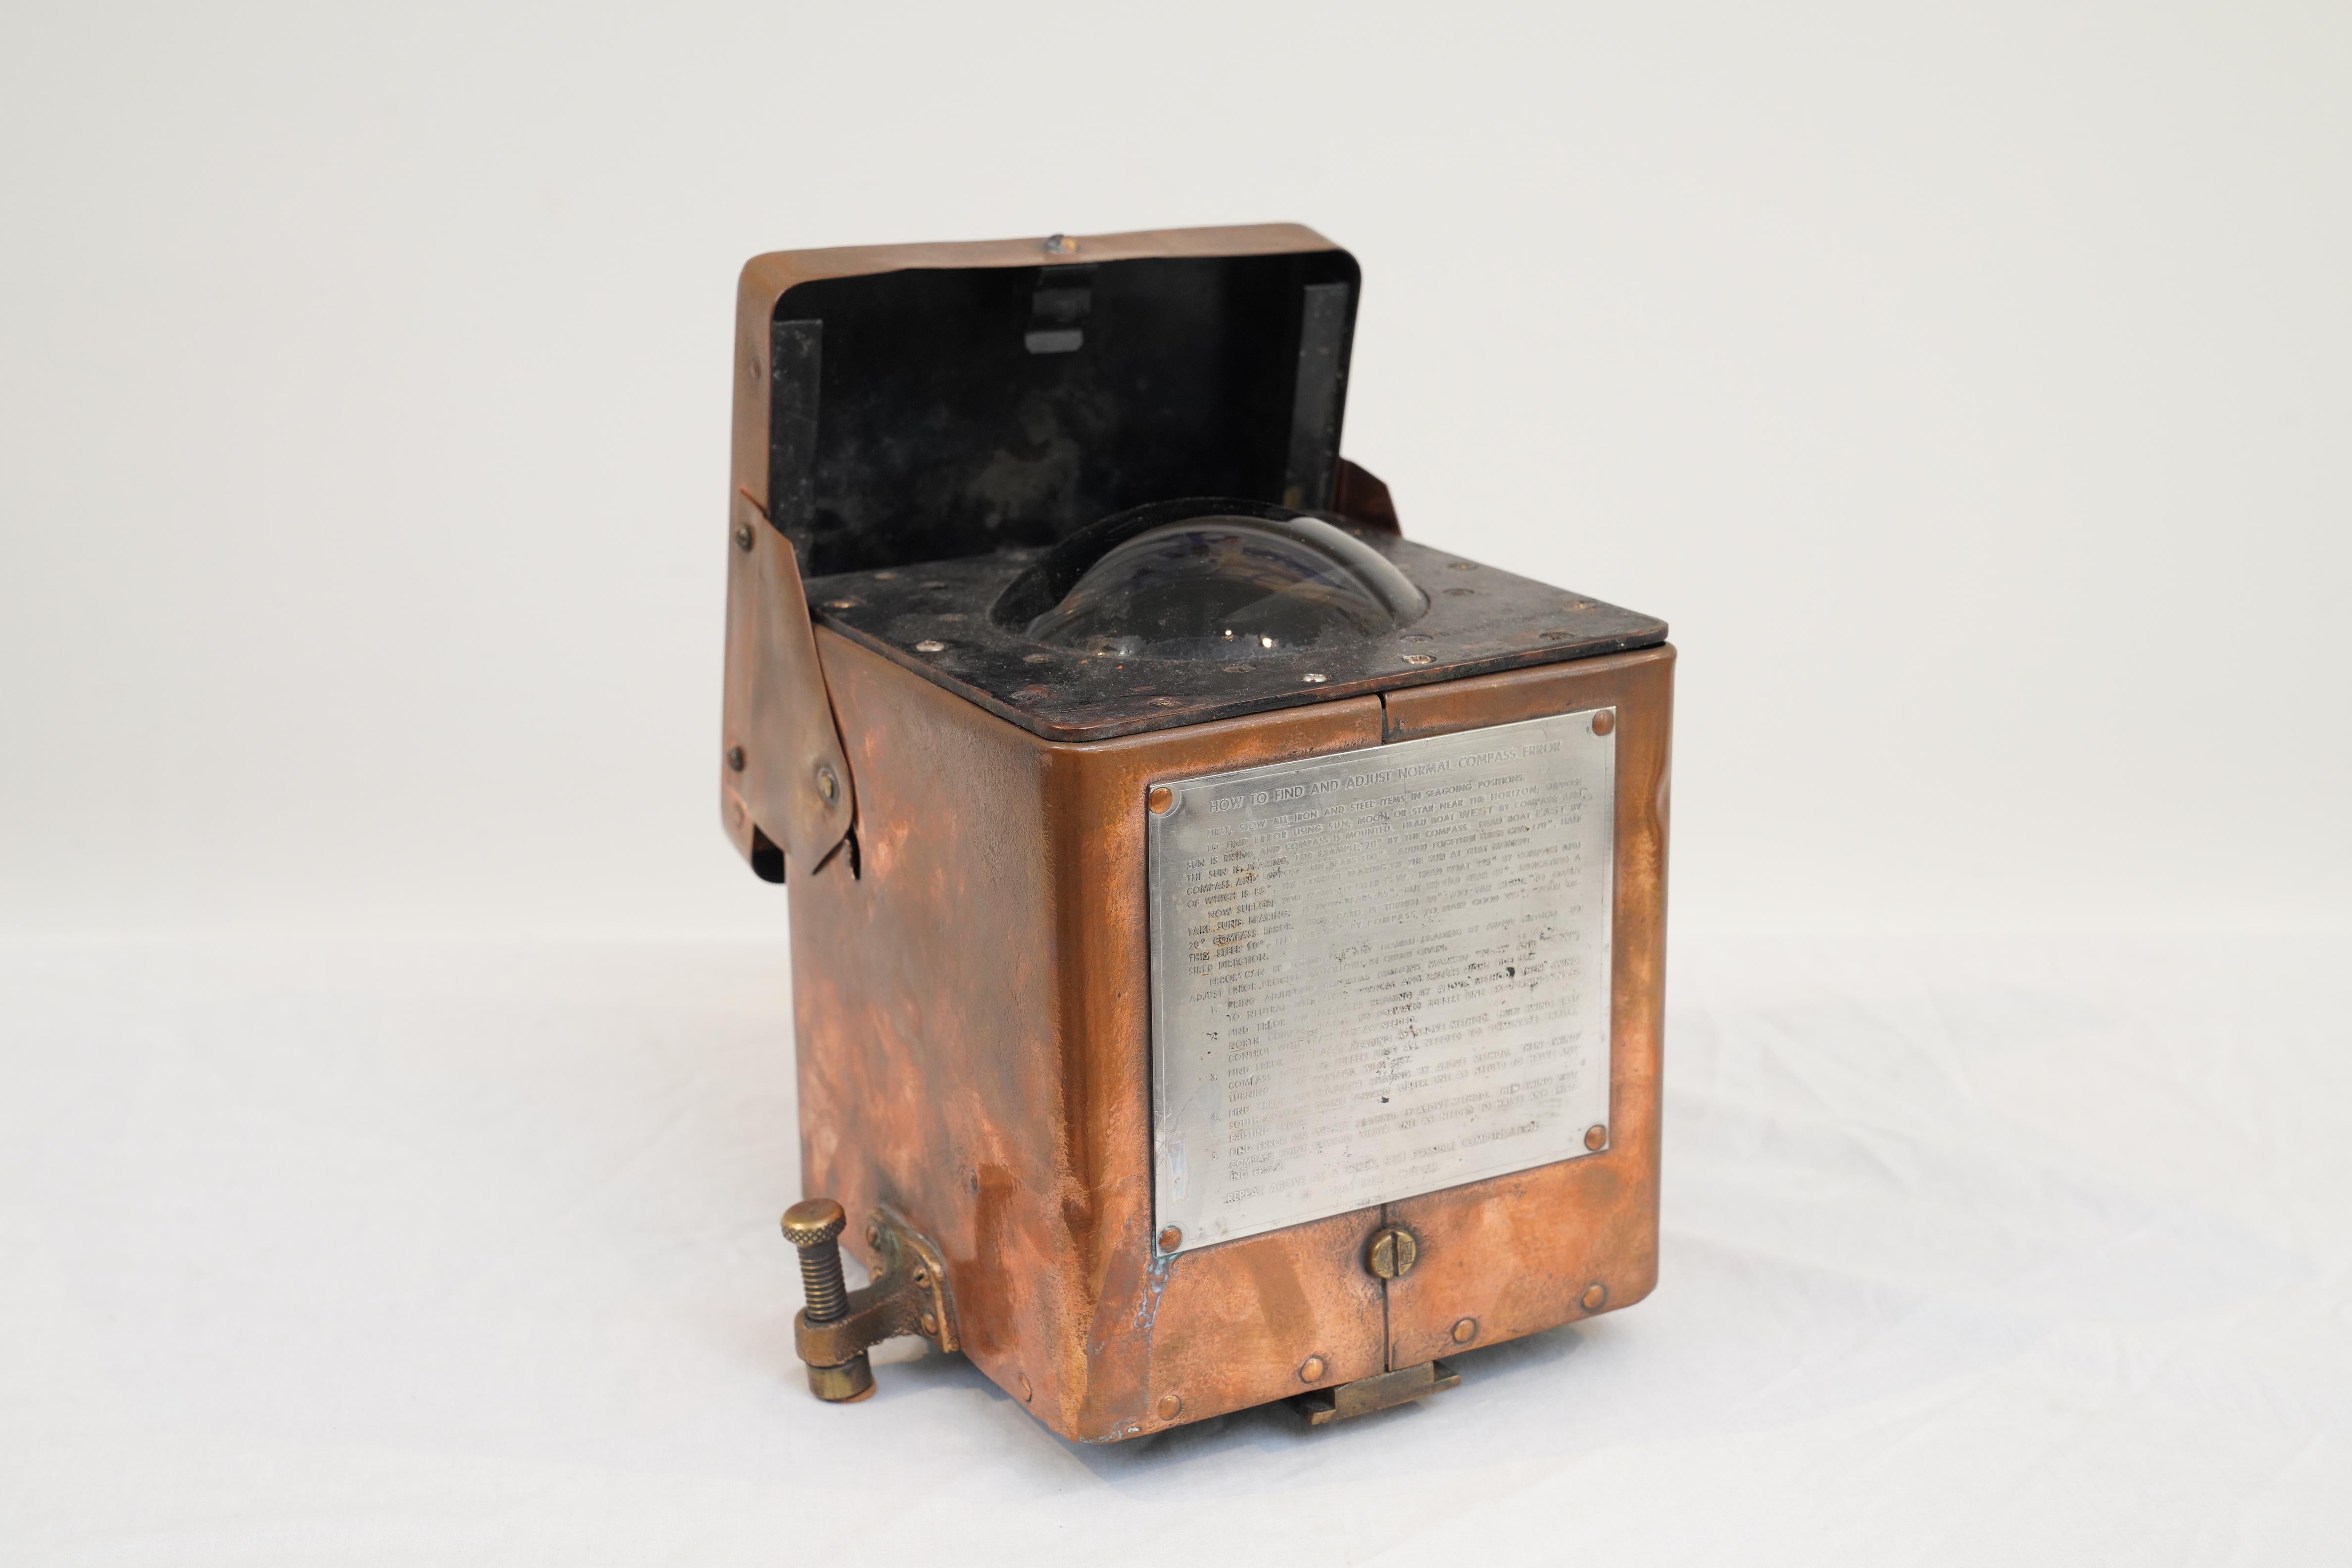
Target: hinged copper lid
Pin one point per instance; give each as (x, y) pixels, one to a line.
(932, 402)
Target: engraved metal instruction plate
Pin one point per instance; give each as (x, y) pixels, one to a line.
(1379, 973)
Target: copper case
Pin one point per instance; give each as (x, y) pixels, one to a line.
(970, 990)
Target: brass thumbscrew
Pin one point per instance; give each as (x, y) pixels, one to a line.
(812, 1228)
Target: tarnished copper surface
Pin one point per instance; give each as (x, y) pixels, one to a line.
(1520, 1253)
(973, 1027)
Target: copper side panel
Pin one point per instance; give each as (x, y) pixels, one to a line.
(1521, 1253)
(973, 1022)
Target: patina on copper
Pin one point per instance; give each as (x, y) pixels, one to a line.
(972, 984)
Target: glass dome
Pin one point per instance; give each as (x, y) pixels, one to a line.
(1225, 586)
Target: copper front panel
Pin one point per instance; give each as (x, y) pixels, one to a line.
(973, 1027)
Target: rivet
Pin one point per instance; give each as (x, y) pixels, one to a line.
(1168, 702)
(1558, 635)
(1394, 1252)
(1033, 693)
(742, 536)
(1171, 1240)
(735, 759)
(1314, 680)
(1595, 1136)
(886, 577)
(1464, 1331)
(1310, 1369)
(1595, 1296)
(840, 603)
(828, 782)
(931, 645)
(1459, 593)
(1060, 244)
(1421, 658)
(873, 1234)
(1170, 1406)
(1603, 721)
(1036, 658)
(1160, 798)
(1027, 1393)
(931, 1324)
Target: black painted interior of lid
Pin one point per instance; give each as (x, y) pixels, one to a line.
(935, 619)
(926, 415)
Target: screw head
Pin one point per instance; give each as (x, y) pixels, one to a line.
(814, 1221)
(1595, 1296)
(1394, 1252)
(1310, 1369)
(828, 782)
(1603, 721)
(743, 536)
(1171, 1240)
(1464, 1331)
(1595, 1136)
(1160, 799)
(735, 759)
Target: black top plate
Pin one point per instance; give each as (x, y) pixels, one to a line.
(1480, 620)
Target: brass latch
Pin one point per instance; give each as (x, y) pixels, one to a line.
(835, 1330)
(1380, 1391)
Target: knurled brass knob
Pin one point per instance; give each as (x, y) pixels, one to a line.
(816, 1220)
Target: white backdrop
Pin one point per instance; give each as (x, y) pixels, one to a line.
(1967, 391)
(1967, 387)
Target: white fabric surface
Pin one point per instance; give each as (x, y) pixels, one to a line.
(2027, 1252)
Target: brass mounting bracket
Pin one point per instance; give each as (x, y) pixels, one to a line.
(908, 1296)
(1382, 1391)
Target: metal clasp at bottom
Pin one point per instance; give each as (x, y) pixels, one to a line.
(908, 1296)
(1380, 1392)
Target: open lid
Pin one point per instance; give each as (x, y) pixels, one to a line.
(945, 401)
(895, 405)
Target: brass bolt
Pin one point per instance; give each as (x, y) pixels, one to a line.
(1171, 1240)
(812, 1226)
(1595, 1136)
(1393, 1253)
(1310, 1369)
(1170, 1406)
(735, 758)
(828, 782)
(1464, 1331)
(1603, 721)
(1595, 1296)
(742, 536)
(1160, 798)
